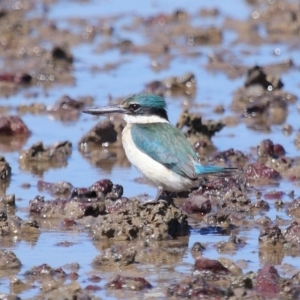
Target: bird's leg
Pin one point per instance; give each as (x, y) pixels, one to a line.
(158, 193)
(156, 199)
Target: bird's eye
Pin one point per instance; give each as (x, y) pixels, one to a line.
(134, 107)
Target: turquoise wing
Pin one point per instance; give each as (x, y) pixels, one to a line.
(167, 145)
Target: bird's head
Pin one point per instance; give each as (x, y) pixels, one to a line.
(142, 108)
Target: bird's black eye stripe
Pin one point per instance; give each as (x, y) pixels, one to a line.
(134, 107)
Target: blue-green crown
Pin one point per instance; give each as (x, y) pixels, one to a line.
(146, 100)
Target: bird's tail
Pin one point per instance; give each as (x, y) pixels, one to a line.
(213, 170)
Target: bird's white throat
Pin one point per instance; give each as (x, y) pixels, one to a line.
(144, 119)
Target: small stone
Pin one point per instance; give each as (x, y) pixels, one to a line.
(115, 256)
(267, 281)
(258, 171)
(287, 129)
(219, 109)
(13, 125)
(8, 260)
(297, 140)
(209, 268)
(128, 283)
(256, 75)
(197, 247)
(5, 169)
(197, 204)
(271, 236)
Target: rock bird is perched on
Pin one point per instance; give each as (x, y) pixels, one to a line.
(157, 149)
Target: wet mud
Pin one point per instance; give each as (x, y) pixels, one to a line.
(73, 222)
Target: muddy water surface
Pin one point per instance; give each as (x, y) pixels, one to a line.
(198, 57)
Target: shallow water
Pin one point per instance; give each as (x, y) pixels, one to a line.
(130, 77)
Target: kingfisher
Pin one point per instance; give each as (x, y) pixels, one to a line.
(159, 151)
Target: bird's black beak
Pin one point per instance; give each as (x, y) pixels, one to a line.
(104, 110)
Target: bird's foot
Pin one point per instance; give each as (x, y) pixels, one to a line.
(157, 198)
(154, 201)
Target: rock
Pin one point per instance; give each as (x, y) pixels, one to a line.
(260, 173)
(260, 204)
(61, 54)
(67, 291)
(17, 285)
(94, 279)
(38, 158)
(267, 149)
(271, 236)
(223, 61)
(197, 248)
(59, 152)
(9, 297)
(219, 109)
(197, 204)
(125, 46)
(209, 12)
(115, 193)
(5, 169)
(61, 189)
(185, 84)
(8, 260)
(66, 103)
(264, 221)
(209, 269)
(297, 140)
(128, 283)
(15, 226)
(256, 75)
(102, 189)
(221, 220)
(267, 281)
(105, 133)
(72, 208)
(18, 78)
(178, 16)
(292, 234)
(44, 270)
(209, 36)
(35, 108)
(287, 129)
(229, 157)
(231, 246)
(13, 125)
(195, 287)
(264, 107)
(130, 220)
(92, 288)
(181, 85)
(5, 175)
(278, 150)
(73, 203)
(115, 256)
(284, 29)
(8, 200)
(68, 109)
(195, 126)
(230, 265)
(244, 281)
(273, 195)
(293, 208)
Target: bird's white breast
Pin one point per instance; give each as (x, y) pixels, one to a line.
(153, 170)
